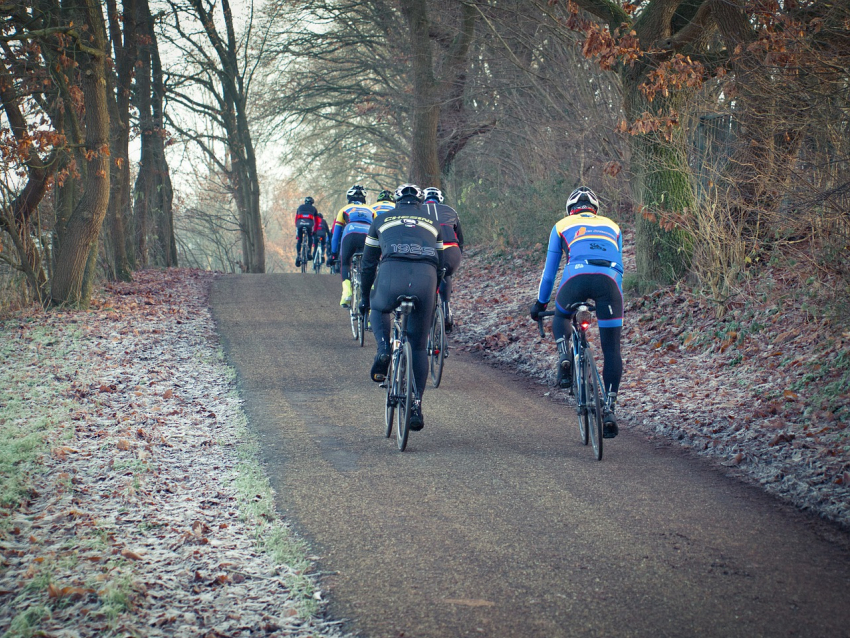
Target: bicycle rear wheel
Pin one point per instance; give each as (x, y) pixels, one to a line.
(580, 397)
(594, 404)
(404, 385)
(304, 254)
(437, 346)
(392, 393)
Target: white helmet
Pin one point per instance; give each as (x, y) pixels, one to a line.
(408, 190)
(432, 192)
(356, 193)
(582, 198)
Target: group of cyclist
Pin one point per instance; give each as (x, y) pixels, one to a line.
(311, 224)
(417, 241)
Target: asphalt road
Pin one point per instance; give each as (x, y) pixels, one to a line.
(496, 521)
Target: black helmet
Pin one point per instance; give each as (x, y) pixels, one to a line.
(408, 192)
(432, 192)
(356, 194)
(386, 196)
(582, 199)
(308, 200)
(320, 216)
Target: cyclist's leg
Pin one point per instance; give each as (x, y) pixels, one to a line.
(451, 261)
(298, 237)
(350, 244)
(609, 314)
(382, 302)
(309, 232)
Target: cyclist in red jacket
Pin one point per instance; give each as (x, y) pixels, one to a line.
(305, 222)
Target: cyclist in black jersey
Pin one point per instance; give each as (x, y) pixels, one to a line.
(452, 246)
(408, 243)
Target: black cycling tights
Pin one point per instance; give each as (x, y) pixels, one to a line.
(304, 230)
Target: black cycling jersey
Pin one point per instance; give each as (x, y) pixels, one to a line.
(408, 232)
(450, 223)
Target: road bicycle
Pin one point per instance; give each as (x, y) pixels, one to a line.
(400, 384)
(586, 384)
(318, 259)
(437, 344)
(358, 321)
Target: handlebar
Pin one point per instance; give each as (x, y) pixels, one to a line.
(545, 313)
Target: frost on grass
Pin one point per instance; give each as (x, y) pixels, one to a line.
(142, 510)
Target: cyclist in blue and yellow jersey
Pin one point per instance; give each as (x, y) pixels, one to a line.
(594, 248)
(385, 202)
(407, 242)
(305, 221)
(452, 246)
(349, 235)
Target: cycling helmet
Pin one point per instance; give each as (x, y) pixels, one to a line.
(582, 199)
(408, 191)
(356, 194)
(432, 192)
(308, 200)
(386, 196)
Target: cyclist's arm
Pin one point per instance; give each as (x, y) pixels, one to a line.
(339, 222)
(550, 270)
(459, 234)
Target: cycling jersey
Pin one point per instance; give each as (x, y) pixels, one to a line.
(352, 218)
(306, 215)
(450, 222)
(407, 232)
(382, 207)
(593, 245)
(321, 228)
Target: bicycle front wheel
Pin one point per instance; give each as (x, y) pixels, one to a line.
(404, 385)
(437, 346)
(594, 405)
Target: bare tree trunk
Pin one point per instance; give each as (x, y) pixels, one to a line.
(83, 228)
(143, 191)
(124, 47)
(429, 138)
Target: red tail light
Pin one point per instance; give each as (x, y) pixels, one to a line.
(584, 319)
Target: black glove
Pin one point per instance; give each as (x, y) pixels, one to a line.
(331, 259)
(364, 307)
(536, 309)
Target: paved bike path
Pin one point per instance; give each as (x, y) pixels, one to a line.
(496, 521)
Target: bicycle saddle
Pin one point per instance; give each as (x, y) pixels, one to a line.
(407, 302)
